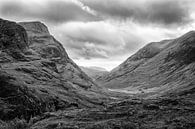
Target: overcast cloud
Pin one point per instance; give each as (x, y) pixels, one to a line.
(105, 32)
(163, 12)
(50, 11)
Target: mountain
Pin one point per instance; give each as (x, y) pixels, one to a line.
(37, 75)
(42, 88)
(162, 66)
(94, 72)
(97, 68)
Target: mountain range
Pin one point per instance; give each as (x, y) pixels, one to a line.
(42, 88)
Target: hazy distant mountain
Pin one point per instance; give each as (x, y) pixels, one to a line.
(159, 66)
(97, 68)
(94, 72)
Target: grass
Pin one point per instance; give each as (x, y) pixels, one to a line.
(14, 124)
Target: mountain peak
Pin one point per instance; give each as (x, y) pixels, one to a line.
(12, 36)
(35, 26)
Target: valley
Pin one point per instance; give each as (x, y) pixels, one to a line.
(41, 87)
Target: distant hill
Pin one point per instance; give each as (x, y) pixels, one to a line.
(94, 72)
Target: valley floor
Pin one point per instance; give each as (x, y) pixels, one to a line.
(170, 112)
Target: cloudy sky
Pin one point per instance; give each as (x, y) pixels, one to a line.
(105, 32)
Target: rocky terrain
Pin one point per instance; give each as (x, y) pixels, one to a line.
(162, 113)
(42, 88)
(94, 72)
(36, 74)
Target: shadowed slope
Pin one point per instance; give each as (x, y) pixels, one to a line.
(36, 74)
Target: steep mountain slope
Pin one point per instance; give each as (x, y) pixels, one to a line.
(94, 72)
(168, 65)
(36, 74)
(48, 47)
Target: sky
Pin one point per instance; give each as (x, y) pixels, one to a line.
(105, 33)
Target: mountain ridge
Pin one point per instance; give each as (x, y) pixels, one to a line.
(154, 72)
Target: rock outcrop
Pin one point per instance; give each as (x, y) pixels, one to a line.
(36, 74)
(14, 41)
(13, 36)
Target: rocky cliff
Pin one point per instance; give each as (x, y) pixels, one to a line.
(36, 74)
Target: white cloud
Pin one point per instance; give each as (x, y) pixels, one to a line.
(92, 37)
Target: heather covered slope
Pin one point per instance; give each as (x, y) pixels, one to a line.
(159, 67)
(36, 74)
(167, 112)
